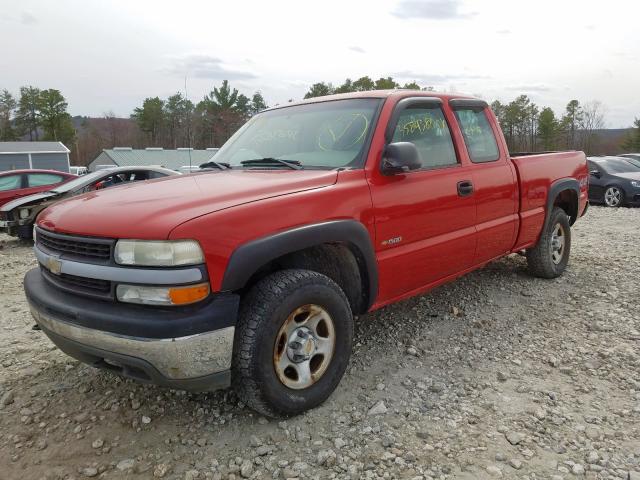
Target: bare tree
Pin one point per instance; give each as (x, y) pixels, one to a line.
(111, 128)
(593, 119)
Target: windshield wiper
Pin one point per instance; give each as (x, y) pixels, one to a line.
(212, 163)
(293, 164)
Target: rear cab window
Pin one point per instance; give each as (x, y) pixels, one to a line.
(10, 182)
(478, 135)
(426, 127)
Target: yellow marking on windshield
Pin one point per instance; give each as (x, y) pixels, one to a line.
(323, 144)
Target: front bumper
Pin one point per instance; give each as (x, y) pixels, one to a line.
(189, 348)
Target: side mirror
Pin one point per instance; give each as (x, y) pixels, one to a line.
(595, 173)
(400, 157)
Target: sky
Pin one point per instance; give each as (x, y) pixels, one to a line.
(108, 56)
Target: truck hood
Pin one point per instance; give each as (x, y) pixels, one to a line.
(28, 200)
(151, 209)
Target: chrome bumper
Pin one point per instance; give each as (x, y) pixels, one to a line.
(181, 358)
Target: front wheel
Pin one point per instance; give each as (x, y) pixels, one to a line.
(613, 197)
(292, 343)
(549, 258)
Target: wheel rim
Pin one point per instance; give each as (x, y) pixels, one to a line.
(612, 196)
(304, 347)
(557, 243)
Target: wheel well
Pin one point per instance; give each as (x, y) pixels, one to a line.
(341, 262)
(568, 201)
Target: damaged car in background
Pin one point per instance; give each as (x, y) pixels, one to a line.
(18, 216)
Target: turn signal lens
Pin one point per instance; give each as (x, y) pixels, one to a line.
(147, 295)
(190, 294)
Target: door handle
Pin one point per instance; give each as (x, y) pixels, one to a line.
(465, 188)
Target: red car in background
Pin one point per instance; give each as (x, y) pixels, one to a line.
(18, 183)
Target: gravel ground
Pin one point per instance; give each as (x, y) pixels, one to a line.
(496, 375)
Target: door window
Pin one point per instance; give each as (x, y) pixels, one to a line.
(428, 130)
(10, 182)
(478, 135)
(40, 179)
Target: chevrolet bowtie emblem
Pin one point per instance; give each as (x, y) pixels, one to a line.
(54, 265)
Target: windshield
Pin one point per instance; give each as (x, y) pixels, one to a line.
(633, 161)
(619, 166)
(326, 135)
(79, 182)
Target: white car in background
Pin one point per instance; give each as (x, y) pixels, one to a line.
(78, 170)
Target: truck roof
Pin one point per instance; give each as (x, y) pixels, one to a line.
(400, 93)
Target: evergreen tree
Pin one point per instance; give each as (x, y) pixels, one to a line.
(632, 142)
(571, 122)
(8, 106)
(27, 118)
(319, 90)
(178, 113)
(150, 118)
(548, 129)
(363, 84)
(258, 103)
(55, 121)
(387, 83)
(346, 87)
(412, 86)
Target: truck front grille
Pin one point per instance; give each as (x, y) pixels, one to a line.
(82, 285)
(84, 247)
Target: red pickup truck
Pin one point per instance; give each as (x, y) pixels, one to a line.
(251, 272)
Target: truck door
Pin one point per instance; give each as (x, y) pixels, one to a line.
(425, 218)
(494, 180)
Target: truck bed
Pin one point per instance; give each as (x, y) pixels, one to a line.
(536, 174)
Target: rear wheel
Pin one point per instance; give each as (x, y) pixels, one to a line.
(549, 258)
(292, 343)
(613, 197)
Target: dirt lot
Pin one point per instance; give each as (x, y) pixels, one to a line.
(496, 375)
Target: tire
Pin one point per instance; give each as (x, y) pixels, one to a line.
(268, 372)
(25, 232)
(613, 197)
(545, 260)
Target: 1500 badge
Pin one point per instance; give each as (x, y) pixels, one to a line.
(392, 241)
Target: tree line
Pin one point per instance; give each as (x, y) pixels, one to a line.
(363, 84)
(178, 122)
(528, 127)
(631, 142)
(36, 114)
(41, 114)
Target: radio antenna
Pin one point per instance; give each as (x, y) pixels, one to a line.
(186, 97)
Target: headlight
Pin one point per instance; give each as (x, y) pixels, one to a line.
(635, 183)
(162, 295)
(158, 253)
(24, 213)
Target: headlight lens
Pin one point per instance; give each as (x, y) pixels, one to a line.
(158, 253)
(183, 295)
(24, 213)
(635, 183)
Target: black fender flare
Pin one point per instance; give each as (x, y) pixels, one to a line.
(249, 257)
(555, 189)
